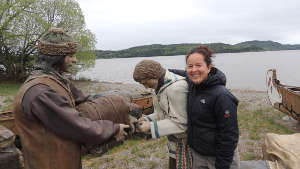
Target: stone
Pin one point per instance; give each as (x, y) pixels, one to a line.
(259, 164)
(286, 118)
(7, 137)
(9, 158)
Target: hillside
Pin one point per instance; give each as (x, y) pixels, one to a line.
(182, 49)
(268, 45)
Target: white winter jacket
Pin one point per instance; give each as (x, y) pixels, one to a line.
(170, 112)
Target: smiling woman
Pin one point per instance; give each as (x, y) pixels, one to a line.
(198, 66)
(212, 114)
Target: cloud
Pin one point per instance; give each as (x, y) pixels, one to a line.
(122, 24)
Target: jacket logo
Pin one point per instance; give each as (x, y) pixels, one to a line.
(227, 114)
(202, 101)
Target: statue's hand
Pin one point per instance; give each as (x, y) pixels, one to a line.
(143, 118)
(144, 126)
(121, 135)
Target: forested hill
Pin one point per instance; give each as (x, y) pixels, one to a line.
(182, 49)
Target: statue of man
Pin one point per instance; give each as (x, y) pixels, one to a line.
(50, 128)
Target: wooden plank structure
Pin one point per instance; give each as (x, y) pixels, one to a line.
(145, 101)
(284, 98)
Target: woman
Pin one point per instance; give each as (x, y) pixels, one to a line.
(212, 113)
(169, 117)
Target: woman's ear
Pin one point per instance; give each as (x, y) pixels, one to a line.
(209, 68)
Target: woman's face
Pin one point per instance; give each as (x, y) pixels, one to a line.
(196, 68)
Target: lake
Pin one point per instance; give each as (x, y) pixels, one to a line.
(243, 70)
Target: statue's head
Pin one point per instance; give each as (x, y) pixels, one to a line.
(54, 47)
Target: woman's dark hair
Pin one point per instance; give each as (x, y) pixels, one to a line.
(205, 51)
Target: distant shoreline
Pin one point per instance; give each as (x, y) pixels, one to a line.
(182, 49)
(215, 53)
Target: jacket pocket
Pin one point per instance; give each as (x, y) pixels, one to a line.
(203, 141)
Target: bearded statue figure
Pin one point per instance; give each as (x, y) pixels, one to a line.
(50, 127)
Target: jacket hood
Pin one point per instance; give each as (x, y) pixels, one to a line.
(167, 80)
(215, 77)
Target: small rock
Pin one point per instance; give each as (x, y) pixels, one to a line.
(286, 118)
(260, 164)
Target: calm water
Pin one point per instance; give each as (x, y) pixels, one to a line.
(243, 70)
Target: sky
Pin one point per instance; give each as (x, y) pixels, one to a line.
(121, 24)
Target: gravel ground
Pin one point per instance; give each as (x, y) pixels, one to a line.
(5, 101)
(2, 98)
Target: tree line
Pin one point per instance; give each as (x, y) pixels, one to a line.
(23, 22)
(171, 50)
(182, 49)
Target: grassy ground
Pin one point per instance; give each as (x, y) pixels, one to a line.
(133, 154)
(254, 124)
(7, 91)
(9, 88)
(255, 116)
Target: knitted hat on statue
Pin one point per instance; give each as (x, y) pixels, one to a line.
(57, 43)
(148, 69)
